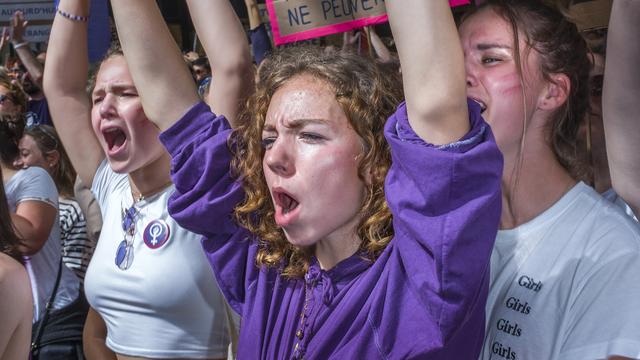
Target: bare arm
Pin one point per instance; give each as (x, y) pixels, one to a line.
(160, 74)
(4, 40)
(226, 45)
(432, 68)
(620, 103)
(254, 13)
(65, 81)
(94, 337)
(350, 40)
(378, 46)
(16, 309)
(33, 221)
(18, 28)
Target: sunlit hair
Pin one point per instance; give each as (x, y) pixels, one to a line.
(11, 130)
(9, 240)
(47, 140)
(15, 92)
(368, 97)
(562, 50)
(114, 50)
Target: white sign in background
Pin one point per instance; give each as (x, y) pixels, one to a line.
(40, 15)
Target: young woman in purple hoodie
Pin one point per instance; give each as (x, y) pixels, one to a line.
(333, 234)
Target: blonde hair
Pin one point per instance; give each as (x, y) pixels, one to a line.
(368, 97)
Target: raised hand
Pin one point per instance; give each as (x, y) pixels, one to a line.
(18, 26)
(4, 38)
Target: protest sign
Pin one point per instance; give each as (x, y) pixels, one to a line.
(39, 13)
(295, 20)
(592, 14)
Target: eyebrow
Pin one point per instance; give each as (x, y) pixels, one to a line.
(116, 88)
(492, 46)
(296, 124)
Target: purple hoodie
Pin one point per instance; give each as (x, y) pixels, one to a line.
(423, 298)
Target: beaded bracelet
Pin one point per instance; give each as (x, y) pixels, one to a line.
(73, 17)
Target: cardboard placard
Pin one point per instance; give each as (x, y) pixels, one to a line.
(592, 14)
(295, 20)
(40, 14)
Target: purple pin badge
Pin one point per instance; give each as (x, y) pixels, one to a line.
(156, 234)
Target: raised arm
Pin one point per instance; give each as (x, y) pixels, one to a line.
(432, 68)
(4, 40)
(379, 47)
(18, 28)
(225, 43)
(253, 12)
(620, 103)
(65, 81)
(161, 76)
(260, 42)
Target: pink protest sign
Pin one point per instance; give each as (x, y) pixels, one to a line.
(295, 20)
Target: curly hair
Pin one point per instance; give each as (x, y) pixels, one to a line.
(368, 96)
(562, 50)
(47, 140)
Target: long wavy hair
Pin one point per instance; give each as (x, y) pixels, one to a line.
(63, 173)
(368, 97)
(562, 50)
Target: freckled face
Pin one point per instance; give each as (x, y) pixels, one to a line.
(128, 138)
(311, 163)
(493, 78)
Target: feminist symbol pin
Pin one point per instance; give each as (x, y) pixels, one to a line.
(156, 234)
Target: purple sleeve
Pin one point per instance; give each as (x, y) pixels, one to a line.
(260, 43)
(446, 205)
(206, 195)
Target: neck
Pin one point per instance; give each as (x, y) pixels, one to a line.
(337, 247)
(530, 188)
(151, 178)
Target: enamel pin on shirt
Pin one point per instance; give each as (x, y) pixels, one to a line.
(124, 252)
(156, 234)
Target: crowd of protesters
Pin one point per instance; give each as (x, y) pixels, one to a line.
(467, 188)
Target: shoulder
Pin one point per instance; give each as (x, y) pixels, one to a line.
(610, 231)
(106, 183)
(34, 183)
(34, 171)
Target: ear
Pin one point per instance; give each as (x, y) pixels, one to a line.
(53, 158)
(555, 93)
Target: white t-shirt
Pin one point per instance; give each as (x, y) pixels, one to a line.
(612, 196)
(167, 304)
(35, 184)
(565, 285)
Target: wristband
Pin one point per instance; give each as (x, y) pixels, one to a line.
(72, 17)
(21, 44)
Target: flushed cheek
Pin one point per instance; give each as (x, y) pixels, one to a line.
(505, 85)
